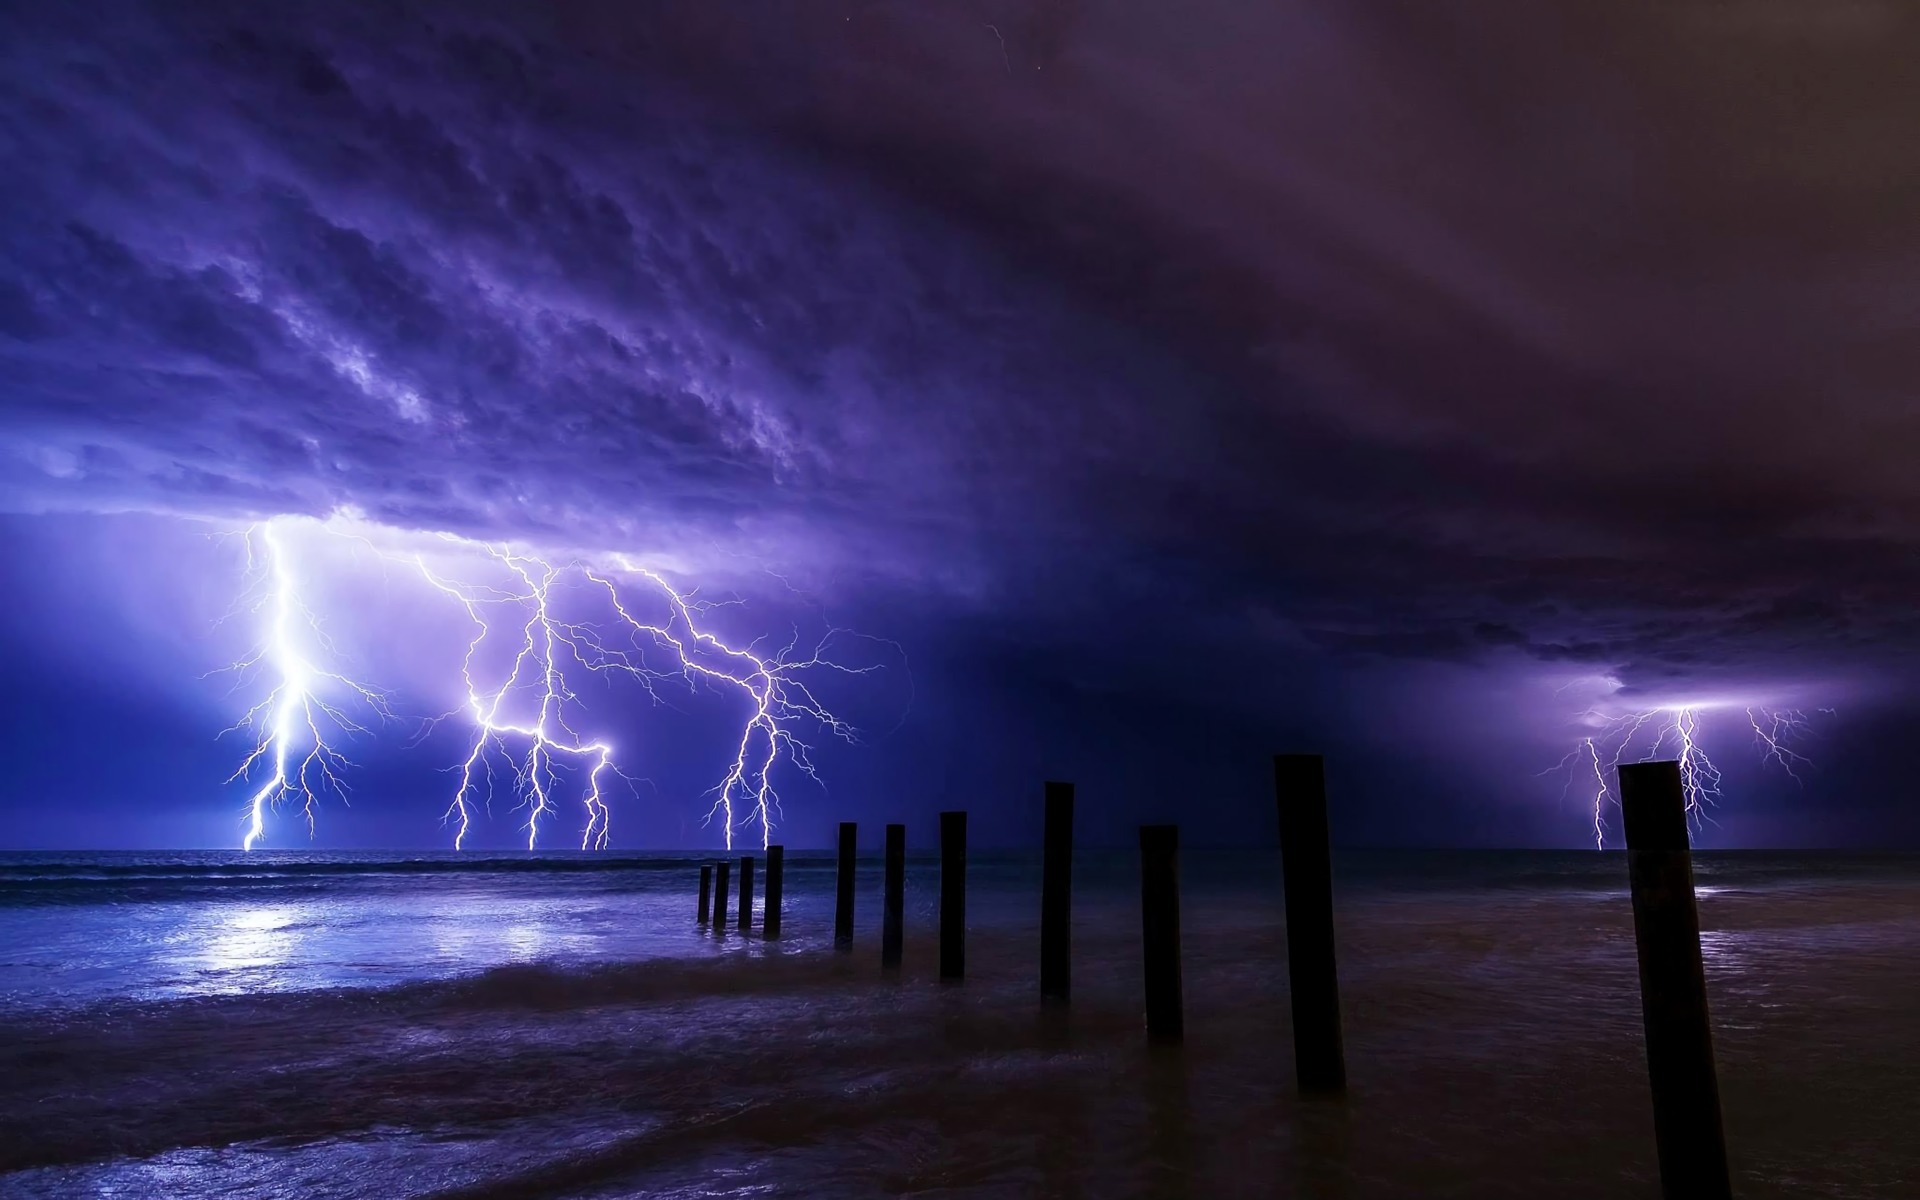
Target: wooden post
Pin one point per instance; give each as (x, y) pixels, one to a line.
(843, 892)
(1673, 985)
(706, 893)
(721, 870)
(746, 892)
(1160, 930)
(1319, 1054)
(776, 888)
(1056, 894)
(894, 910)
(953, 895)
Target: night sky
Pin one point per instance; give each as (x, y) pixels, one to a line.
(1169, 384)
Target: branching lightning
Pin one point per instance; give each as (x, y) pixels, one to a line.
(296, 725)
(541, 626)
(537, 668)
(1775, 730)
(1671, 731)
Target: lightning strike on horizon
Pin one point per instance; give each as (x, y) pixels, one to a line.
(295, 708)
(779, 697)
(548, 735)
(1675, 733)
(520, 709)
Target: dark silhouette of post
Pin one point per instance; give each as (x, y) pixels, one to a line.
(721, 870)
(746, 892)
(776, 890)
(894, 911)
(843, 892)
(953, 895)
(1160, 930)
(706, 893)
(1673, 985)
(1306, 861)
(1056, 894)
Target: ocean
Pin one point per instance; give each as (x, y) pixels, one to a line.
(327, 1026)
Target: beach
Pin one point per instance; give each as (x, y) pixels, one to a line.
(315, 1025)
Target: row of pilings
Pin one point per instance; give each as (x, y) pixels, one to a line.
(1686, 1101)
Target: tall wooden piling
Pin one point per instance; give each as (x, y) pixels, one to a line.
(746, 892)
(894, 910)
(843, 891)
(1160, 930)
(776, 892)
(721, 871)
(953, 895)
(1673, 984)
(1056, 893)
(1306, 860)
(706, 893)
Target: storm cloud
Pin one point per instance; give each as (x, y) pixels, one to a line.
(1575, 335)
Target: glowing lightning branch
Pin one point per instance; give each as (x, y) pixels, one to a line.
(537, 669)
(529, 646)
(1775, 730)
(779, 700)
(773, 684)
(1671, 731)
(293, 725)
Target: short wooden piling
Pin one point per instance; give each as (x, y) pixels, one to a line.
(894, 910)
(776, 892)
(746, 892)
(721, 871)
(1673, 985)
(1319, 1054)
(843, 891)
(1160, 930)
(1056, 894)
(953, 895)
(706, 893)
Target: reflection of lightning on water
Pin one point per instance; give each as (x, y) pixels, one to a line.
(296, 724)
(524, 712)
(1672, 731)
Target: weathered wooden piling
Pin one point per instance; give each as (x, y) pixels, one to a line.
(706, 893)
(843, 892)
(721, 870)
(1056, 893)
(953, 895)
(1319, 1055)
(776, 892)
(1673, 984)
(746, 892)
(1160, 930)
(894, 910)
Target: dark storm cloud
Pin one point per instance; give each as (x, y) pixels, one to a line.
(427, 270)
(1592, 320)
(1574, 331)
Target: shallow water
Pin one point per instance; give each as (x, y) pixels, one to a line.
(355, 1026)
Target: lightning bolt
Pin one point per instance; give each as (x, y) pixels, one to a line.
(537, 667)
(1004, 60)
(531, 643)
(1671, 731)
(1774, 730)
(774, 684)
(295, 725)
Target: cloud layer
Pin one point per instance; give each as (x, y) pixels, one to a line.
(1576, 336)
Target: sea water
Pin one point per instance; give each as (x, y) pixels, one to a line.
(412, 1025)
